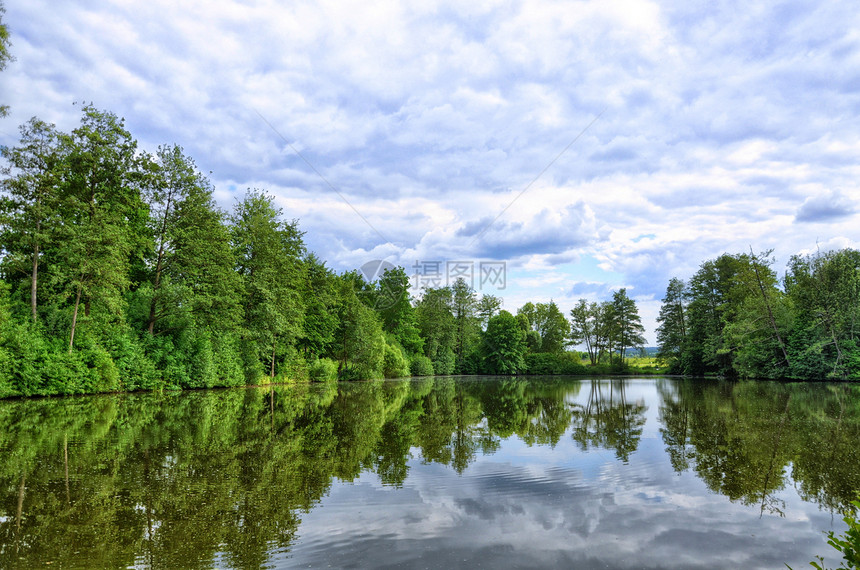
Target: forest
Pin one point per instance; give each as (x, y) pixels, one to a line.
(119, 272)
(734, 318)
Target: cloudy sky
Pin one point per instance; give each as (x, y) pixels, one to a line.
(588, 145)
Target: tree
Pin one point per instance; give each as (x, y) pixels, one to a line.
(5, 55)
(605, 332)
(30, 211)
(757, 319)
(583, 327)
(672, 330)
(191, 265)
(394, 306)
(824, 290)
(103, 216)
(628, 323)
(504, 345)
(434, 314)
(320, 297)
(359, 344)
(549, 323)
(488, 306)
(708, 312)
(268, 253)
(463, 304)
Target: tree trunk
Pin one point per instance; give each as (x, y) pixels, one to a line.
(158, 267)
(274, 345)
(75, 316)
(769, 311)
(34, 280)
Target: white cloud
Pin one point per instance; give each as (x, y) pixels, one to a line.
(724, 125)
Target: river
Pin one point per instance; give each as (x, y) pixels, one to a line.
(438, 472)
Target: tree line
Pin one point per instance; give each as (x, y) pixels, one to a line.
(734, 318)
(120, 272)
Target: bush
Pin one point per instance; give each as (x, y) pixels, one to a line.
(848, 544)
(421, 366)
(394, 364)
(322, 370)
(568, 363)
(444, 362)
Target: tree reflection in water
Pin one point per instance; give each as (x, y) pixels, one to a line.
(608, 420)
(181, 480)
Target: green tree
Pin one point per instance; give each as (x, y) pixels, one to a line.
(466, 326)
(672, 330)
(359, 344)
(268, 253)
(758, 320)
(5, 54)
(629, 325)
(320, 298)
(30, 209)
(583, 327)
(708, 312)
(394, 305)
(605, 331)
(551, 327)
(824, 290)
(103, 225)
(191, 267)
(488, 306)
(435, 318)
(504, 345)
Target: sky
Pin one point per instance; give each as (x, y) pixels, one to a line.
(547, 150)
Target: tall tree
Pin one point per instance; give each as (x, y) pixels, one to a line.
(708, 312)
(488, 307)
(320, 298)
(268, 252)
(359, 343)
(672, 330)
(434, 314)
(5, 54)
(504, 345)
(465, 321)
(394, 305)
(174, 185)
(630, 332)
(583, 327)
(103, 216)
(605, 331)
(549, 323)
(825, 291)
(29, 211)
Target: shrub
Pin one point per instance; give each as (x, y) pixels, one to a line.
(421, 366)
(394, 364)
(322, 370)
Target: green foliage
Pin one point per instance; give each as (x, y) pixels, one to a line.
(672, 328)
(504, 345)
(5, 55)
(848, 544)
(322, 370)
(395, 362)
(393, 303)
(568, 363)
(421, 366)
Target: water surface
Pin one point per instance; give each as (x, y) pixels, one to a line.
(432, 472)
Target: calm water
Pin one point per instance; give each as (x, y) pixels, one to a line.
(432, 473)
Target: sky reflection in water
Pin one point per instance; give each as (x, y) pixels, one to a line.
(492, 473)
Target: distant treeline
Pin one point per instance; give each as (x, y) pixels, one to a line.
(119, 272)
(733, 319)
